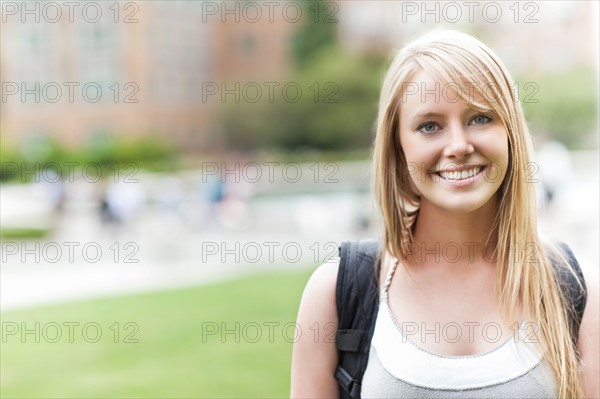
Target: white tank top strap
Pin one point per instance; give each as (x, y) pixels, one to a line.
(388, 280)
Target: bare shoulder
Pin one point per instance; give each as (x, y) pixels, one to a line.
(591, 277)
(323, 280)
(314, 357)
(318, 300)
(589, 337)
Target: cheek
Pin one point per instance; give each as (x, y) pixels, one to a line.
(497, 152)
(417, 153)
(501, 151)
(416, 164)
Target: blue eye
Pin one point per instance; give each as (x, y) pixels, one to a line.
(427, 127)
(480, 119)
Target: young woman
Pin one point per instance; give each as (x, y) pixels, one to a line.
(464, 276)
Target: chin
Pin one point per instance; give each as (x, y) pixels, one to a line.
(464, 205)
(467, 206)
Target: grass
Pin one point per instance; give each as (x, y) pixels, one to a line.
(174, 356)
(23, 233)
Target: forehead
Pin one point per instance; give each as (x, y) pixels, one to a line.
(422, 91)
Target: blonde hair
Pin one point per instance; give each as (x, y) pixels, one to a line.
(469, 65)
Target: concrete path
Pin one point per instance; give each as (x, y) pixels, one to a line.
(84, 259)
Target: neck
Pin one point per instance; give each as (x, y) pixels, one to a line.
(456, 238)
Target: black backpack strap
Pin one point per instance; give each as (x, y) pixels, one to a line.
(357, 299)
(574, 288)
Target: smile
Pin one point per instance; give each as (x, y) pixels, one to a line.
(458, 175)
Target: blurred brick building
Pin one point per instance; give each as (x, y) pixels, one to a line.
(157, 63)
(132, 68)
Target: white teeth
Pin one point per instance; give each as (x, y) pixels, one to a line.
(460, 175)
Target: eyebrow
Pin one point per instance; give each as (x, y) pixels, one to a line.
(433, 114)
(427, 115)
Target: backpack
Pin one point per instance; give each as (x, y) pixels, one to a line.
(357, 300)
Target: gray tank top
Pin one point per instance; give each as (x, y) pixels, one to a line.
(397, 368)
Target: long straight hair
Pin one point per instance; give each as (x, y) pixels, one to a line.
(525, 274)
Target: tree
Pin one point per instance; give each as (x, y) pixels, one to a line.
(561, 107)
(318, 31)
(335, 111)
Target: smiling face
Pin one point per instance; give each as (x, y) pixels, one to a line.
(457, 155)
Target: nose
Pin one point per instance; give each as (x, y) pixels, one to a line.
(458, 143)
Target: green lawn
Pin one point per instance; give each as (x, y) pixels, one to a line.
(23, 233)
(174, 356)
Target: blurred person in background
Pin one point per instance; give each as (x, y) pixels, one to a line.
(123, 203)
(170, 196)
(449, 171)
(215, 189)
(554, 163)
(50, 186)
(233, 209)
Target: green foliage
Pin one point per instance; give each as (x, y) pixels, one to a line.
(145, 150)
(7, 156)
(318, 31)
(23, 233)
(149, 152)
(337, 108)
(564, 108)
(173, 355)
